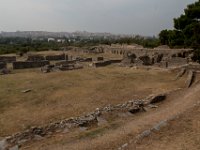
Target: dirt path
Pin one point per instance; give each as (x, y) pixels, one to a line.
(176, 103)
(182, 133)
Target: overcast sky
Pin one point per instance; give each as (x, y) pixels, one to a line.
(145, 17)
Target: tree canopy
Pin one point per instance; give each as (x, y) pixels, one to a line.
(186, 31)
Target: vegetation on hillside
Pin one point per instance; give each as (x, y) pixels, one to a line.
(186, 31)
(22, 45)
(19, 44)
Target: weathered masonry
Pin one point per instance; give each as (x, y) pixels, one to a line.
(29, 64)
(56, 57)
(105, 62)
(35, 58)
(3, 65)
(8, 59)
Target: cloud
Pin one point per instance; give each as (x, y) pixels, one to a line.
(116, 16)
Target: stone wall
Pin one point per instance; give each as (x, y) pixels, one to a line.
(3, 65)
(96, 50)
(146, 60)
(162, 64)
(90, 119)
(65, 62)
(177, 61)
(92, 50)
(89, 59)
(115, 61)
(101, 63)
(129, 58)
(98, 59)
(35, 58)
(29, 64)
(56, 57)
(8, 59)
(193, 67)
(150, 52)
(157, 58)
(70, 67)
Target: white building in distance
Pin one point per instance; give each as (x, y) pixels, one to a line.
(51, 39)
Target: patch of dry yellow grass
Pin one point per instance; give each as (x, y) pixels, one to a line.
(59, 95)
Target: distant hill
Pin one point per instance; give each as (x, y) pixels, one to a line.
(37, 34)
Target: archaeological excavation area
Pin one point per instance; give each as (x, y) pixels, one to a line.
(121, 97)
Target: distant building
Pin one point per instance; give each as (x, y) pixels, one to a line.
(60, 40)
(51, 39)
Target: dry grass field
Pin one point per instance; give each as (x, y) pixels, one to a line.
(180, 133)
(59, 95)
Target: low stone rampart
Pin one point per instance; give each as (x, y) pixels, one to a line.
(101, 63)
(66, 62)
(35, 58)
(8, 59)
(56, 57)
(29, 64)
(98, 59)
(177, 61)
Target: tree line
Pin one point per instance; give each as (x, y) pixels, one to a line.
(186, 32)
(23, 45)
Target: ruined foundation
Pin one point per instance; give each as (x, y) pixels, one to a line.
(8, 59)
(35, 58)
(3, 65)
(56, 57)
(29, 64)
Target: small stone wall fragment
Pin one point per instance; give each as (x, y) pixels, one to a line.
(35, 58)
(29, 64)
(3, 65)
(181, 73)
(98, 59)
(56, 57)
(8, 59)
(190, 78)
(101, 63)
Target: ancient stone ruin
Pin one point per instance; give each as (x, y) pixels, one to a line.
(56, 57)
(8, 59)
(93, 50)
(98, 59)
(62, 66)
(35, 58)
(65, 62)
(29, 64)
(177, 61)
(157, 57)
(88, 59)
(105, 63)
(145, 60)
(97, 50)
(190, 78)
(3, 65)
(5, 71)
(66, 67)
(195, 67)
(48, 57)
(129, 58)
(47, 68)
(101, 63)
